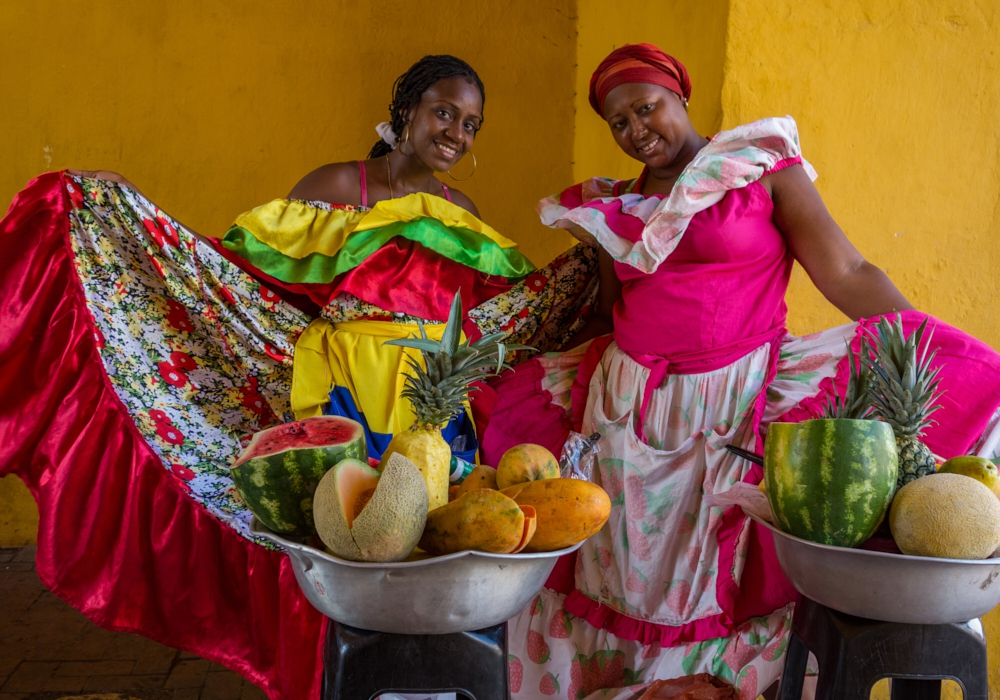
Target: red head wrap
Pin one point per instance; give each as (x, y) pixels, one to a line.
(637, 63)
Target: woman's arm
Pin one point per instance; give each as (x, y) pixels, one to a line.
(839, 271)
(608, 294)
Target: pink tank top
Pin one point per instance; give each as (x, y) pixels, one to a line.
(364, 186)
(721, 289)
(717, 297)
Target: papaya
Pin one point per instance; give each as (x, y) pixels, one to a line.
(567, 511)
(482, 477)
(483, 520)
(526, 462)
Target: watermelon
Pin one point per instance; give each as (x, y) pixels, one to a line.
(278, 472)
(830, 481)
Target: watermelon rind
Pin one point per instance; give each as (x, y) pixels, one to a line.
(276, 478)
(830, 481)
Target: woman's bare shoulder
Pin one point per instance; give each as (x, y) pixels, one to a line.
(337, 183)
(463, 201)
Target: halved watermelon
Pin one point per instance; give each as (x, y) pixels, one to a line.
(279, 470)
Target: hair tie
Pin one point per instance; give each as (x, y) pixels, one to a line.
(384, 130)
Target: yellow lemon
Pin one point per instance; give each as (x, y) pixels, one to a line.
(979, 468)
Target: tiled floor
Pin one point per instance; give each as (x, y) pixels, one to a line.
(49, 651)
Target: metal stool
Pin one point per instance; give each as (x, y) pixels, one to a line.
(361, 665)
(854, 653)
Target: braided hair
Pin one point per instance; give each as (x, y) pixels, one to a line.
(410, 87)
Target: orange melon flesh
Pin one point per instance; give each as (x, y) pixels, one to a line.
(530, 523)
(355, 488)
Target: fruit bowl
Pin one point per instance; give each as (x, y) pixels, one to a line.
(460, 592)
(889, 587)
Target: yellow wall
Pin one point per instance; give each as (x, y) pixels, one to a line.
(18, 515)
(214, 108)
(897, 103)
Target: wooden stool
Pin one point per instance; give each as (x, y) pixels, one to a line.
(854, 653)
(361, 665)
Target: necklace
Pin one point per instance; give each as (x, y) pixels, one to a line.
(388, 170)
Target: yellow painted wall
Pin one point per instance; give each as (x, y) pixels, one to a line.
(214, 108)
(897, 103)
(18, 515)
(694, 32)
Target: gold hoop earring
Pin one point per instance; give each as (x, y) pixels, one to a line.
(406, 139)
(474, 166)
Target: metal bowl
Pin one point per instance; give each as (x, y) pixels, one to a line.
(459, 592)
(890, 587)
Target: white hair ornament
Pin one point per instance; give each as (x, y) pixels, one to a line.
(384, 130)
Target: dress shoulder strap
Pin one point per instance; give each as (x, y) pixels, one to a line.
(447, 192)
(364, 183)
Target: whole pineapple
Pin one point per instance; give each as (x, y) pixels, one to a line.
(903, 393)
(437, 391)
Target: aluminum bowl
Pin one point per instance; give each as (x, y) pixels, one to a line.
(459, 592)
(889, 587)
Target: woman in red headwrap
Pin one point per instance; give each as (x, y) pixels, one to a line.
(696, 255)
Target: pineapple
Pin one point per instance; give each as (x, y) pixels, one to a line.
(437, 391)
(855, 404)
(903, 392)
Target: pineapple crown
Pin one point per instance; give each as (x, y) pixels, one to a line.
(438, 389)
(855, 404)
(903, 388)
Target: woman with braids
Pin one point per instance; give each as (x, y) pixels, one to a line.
(138, 357)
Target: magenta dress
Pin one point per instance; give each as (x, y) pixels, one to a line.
(676, 584)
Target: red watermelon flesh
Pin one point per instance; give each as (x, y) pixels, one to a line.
(278, 472)
(318, 431)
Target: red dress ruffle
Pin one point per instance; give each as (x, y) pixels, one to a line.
(118, 538)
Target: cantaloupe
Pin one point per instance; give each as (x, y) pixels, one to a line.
(950, 516)
(362, 515)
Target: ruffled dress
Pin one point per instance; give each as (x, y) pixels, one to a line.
(676, 584)
(137, 358)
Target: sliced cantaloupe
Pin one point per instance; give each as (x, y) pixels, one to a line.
(362, 515)
(355, 486)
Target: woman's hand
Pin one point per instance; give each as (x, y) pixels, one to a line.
(609, 291)
(839, 271)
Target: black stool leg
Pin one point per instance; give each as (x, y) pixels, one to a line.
(794, 672)
(915, 689)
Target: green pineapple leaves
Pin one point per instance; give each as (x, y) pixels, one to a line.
(855, 403)
(904, 387)
(438, 389)
(891, 380)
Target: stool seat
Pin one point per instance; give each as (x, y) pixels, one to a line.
(854, 653)
(361, 665)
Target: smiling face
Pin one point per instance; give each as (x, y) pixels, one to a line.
(650, 123)
(443, 126)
